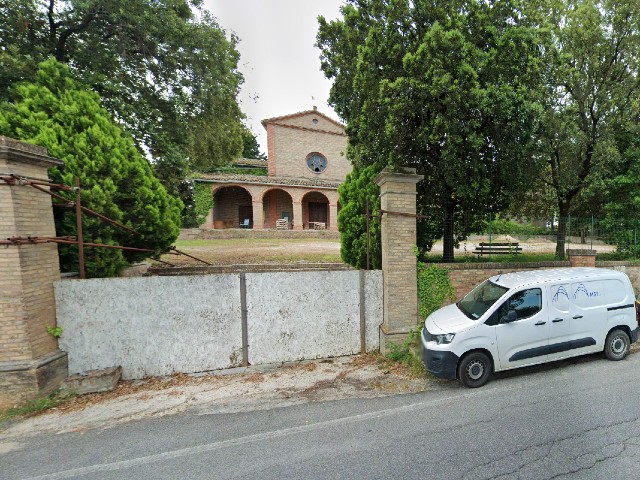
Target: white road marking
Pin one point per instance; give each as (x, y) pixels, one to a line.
(184, 452)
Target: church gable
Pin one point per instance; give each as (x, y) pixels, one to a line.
(307, 145)
(308, 120)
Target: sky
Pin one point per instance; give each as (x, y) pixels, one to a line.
(280, 64)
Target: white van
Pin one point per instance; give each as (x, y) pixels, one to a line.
(525, 318)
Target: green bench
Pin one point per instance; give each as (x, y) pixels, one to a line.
(508, 248)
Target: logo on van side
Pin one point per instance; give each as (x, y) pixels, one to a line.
(582, 289)
(561, 291)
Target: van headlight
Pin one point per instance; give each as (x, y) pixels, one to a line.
(444, 338)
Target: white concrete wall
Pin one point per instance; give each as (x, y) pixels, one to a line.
(293, 317)
(164, 325)
(151, 325)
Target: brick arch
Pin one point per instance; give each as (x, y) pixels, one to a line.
(316, 210)
(232, 206)
(246, 188)
(315, 194)
(278, 203)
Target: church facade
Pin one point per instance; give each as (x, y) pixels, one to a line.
(306, 163)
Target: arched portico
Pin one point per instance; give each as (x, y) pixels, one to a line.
(263, 202)
(277, 204)
(315, 211)
(232, 207)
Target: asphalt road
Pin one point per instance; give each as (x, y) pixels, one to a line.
(572, 420)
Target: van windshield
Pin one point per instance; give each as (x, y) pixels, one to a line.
(480, 299)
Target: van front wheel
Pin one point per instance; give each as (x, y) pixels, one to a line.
(617, 345)
(474, 370)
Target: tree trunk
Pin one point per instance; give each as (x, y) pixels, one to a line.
(447, 247)
(563, 208)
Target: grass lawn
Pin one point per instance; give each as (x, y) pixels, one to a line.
(324, 250)
(469, 258)
(522, 258)
(257, 251)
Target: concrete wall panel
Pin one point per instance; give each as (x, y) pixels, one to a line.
(151, 325)
(163, 325)
(373, 308)
(302, 315)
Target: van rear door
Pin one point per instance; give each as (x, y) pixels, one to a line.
(590, 300)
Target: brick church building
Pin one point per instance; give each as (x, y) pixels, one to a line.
(306, 162)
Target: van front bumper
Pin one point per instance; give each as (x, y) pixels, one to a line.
(634, 335)
(441, 364)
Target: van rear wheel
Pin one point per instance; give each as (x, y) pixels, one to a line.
(617, 345)
(474, 370)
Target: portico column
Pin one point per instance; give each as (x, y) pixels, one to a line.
(399, 270)
(297, 215)
(333, 216)
(258, 215)
(208, 222)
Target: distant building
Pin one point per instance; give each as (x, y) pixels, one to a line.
(306, 163)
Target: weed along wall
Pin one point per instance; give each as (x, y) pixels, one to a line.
(164, 325)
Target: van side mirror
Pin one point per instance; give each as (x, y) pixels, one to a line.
(511, 316)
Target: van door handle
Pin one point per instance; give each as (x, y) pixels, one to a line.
(575, 317)
(540, 323)
(556, 320)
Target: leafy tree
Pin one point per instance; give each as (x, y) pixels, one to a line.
(164, 69)
(57, 113)
(442, 87)
(622, 209)
(250, 148)
(590, 98)
(174, 172)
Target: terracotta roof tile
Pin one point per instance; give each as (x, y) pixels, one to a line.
(254, 162)
(265, 180)
(300, 114)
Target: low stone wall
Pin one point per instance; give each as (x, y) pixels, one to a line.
(465, 276)
(223, 233)
(165, 325)
(631, 269)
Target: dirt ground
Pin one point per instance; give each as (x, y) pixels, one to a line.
(327, 250)
(257, 251)
(236, 390)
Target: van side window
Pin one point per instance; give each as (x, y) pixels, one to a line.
(526, 303)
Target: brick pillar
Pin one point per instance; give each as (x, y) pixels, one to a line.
(30, 363)
(581, 257)
(271, 150)
(273, 209)
(297, 215)
(258, 215)
(333, 217)
(400, 304)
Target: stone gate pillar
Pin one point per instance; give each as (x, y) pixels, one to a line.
(30, 363)
(399, 270)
